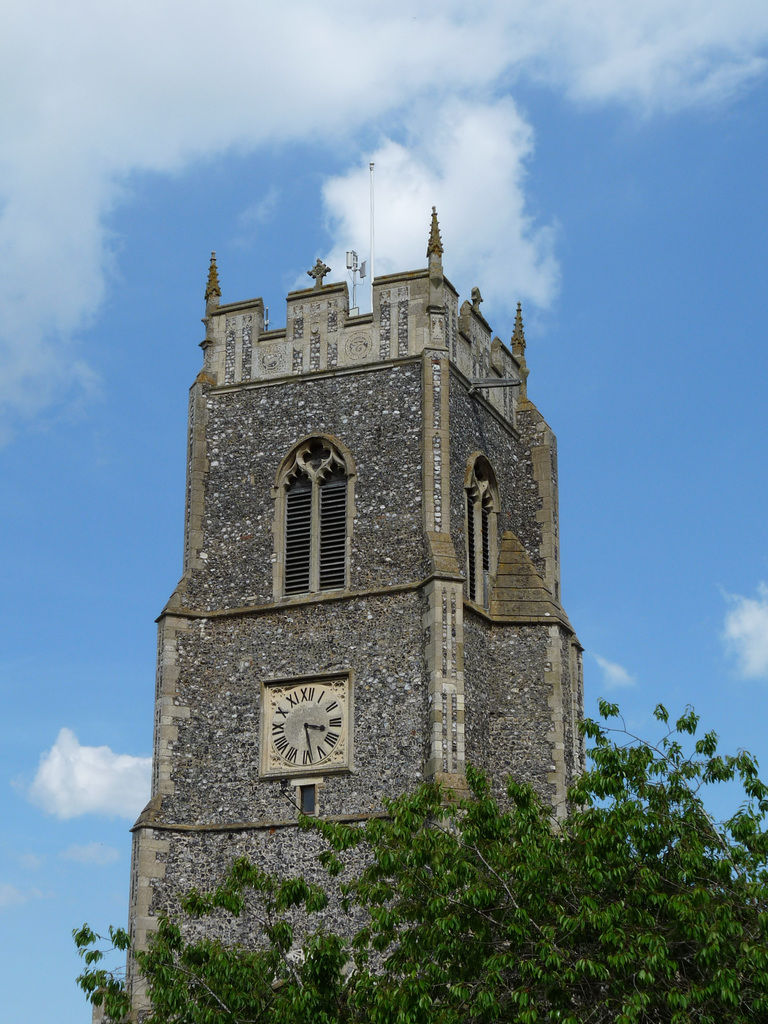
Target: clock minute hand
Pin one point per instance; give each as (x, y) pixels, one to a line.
(309, 740)
(307, 727)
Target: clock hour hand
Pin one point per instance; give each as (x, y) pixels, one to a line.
(320, 727)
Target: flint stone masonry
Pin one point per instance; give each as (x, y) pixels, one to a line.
(222, 663)
(433, 680)
(250, 431)
(201, 859)
(509, 682)
(476, 427)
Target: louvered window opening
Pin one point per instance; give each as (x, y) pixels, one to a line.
(471, 547)
(316, 534)
(486, 527)
(477, 581)
(333, 532)
(481, 530)
(298, 536)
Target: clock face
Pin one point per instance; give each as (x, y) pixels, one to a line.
(305, 726)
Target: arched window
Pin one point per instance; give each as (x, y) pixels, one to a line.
(482, 503)
(313, 518)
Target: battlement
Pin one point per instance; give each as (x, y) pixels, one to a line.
(412, 311)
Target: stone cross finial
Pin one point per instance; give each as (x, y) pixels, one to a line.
(318, 272)
(435, 244)
(477, 298)
(212, 286)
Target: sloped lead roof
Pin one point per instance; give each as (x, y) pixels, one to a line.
(520, 590)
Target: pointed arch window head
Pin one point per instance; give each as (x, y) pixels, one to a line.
(482, 505)
(314, 519)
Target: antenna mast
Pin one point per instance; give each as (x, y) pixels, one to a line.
(370, 168)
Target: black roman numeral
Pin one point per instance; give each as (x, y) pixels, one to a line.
(307, 693)
(307, 757)
(320, 752)
(331, 738)
(335, 723)
(332, 706)
(278, 727)
(281, 744)
(292, 699)
(291, 755)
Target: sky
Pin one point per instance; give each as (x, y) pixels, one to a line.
(601, 162)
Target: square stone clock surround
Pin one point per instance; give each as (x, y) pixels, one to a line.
(298, 715)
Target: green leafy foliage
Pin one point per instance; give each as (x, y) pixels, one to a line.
(637, 907)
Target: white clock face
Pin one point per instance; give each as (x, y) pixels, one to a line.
(306, 726)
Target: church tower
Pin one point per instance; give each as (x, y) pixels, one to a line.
(371, 586)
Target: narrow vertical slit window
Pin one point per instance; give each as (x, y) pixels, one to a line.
(471, 548)
(485, 517)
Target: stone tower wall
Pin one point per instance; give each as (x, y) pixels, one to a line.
(376, 413)
(222, 661)
(434, 679)
(476, 426)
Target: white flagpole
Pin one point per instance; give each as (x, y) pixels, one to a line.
(370, 167)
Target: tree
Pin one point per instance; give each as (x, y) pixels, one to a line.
(637, 907)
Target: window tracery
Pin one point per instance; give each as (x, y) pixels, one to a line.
(482, 504)
(313, 519)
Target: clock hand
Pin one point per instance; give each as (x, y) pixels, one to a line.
(320, 727)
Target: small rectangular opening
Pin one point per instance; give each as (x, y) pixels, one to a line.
(307, 799)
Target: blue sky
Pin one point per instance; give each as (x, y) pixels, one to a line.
(601, 162)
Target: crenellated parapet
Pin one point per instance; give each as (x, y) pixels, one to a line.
(412, 312)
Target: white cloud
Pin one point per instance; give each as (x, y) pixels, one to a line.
(660, 54)
(746, 633)
(468, 160)
(73, 779)
(261, 212)
(91, 94)
(91, 853)
(615, 676)
(30, 861)
(10, 896)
